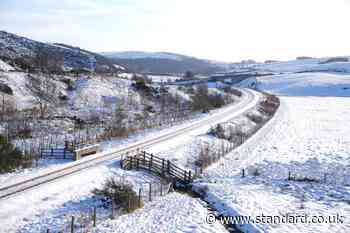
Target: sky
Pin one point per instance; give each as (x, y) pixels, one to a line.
(223, 30)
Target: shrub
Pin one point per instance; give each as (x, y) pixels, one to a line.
(256, 172)
(70, 84)
(232, 91)
(203, 159)
(269, 105)
(218, 131)
(216, 101)
(10, 157)
(237, 136)
(120, 193)
(203, 101)
(255, 118)
(6, 89)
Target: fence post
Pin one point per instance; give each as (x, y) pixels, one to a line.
(51, 152)
(168, 167)
(129, 203)
(150, 192)
(112, 211)
(150, 163)
(185, 176)
(48, 231)
(94, 218)
(161, 189)
(289, 175)
(243, 173)
(121, 162)
(139, 197)
(137, 163)
(72, 225)
(131, 161)
(144, 158)
(163, 167)
(189, 176)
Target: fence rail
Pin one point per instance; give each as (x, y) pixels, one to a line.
(159, 166)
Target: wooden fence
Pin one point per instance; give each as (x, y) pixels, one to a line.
(158, 166)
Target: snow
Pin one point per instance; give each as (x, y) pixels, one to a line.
(308, 138)
(119, 67)
(51, 205)
(62, 199)
(182, 150)
(5, 67)
(164, 78)
(91, 92)
(16, 81)
(307, 84)
(126, 75)
(173, 213)
(306, 65)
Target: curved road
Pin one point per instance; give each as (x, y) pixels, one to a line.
(249, 99)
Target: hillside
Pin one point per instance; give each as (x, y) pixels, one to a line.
(141, 54)
(163, 63)
(327, 64)
(25, 53)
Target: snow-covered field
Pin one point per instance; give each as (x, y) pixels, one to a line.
(172, 213)
(307, 84)
(306, 65)
(309, 140)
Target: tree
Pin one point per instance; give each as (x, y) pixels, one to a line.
(189, 74)
(45, 91)
(48, 61)
(120, 194)
(117, 126)
(200, 98)
(10, 157)
(7, 106)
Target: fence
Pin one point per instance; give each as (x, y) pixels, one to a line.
(56, 153)
(159, 166)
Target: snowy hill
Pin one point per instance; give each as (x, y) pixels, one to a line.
(307, 84)
(335, 64)
(165, 63)
(22, 52)
(141, 54)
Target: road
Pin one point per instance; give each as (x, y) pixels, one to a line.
(248, 100)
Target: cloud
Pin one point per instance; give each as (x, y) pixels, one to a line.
(217, 29)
